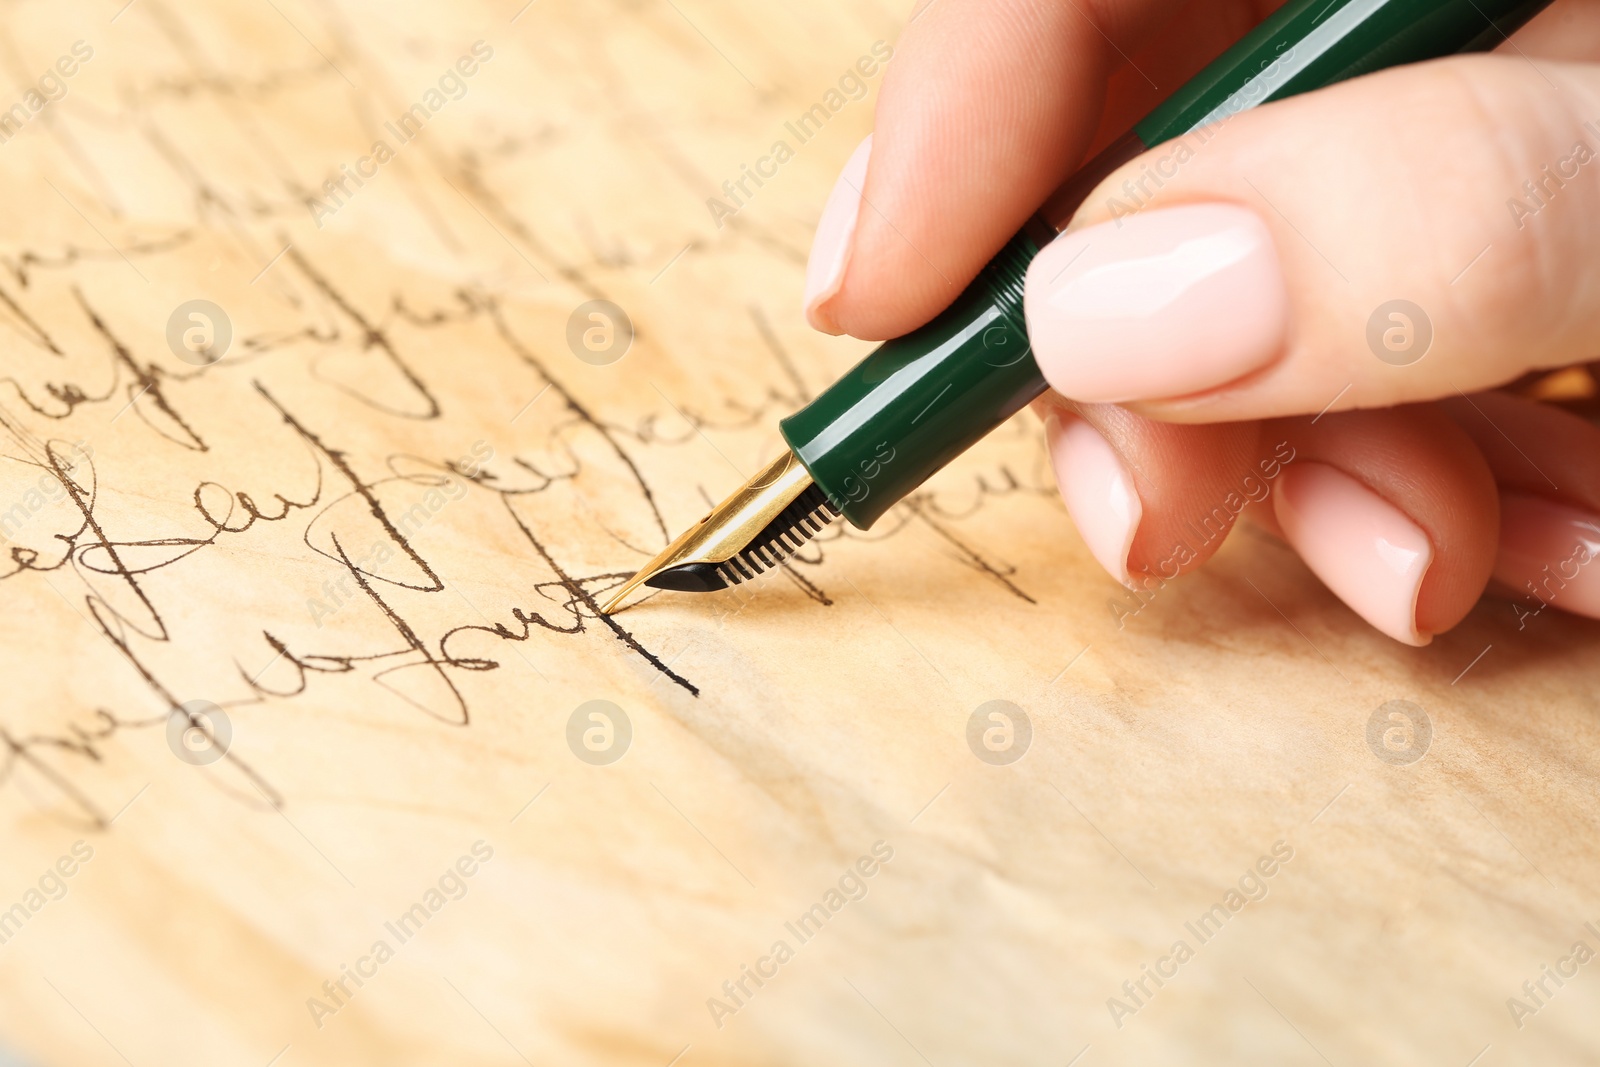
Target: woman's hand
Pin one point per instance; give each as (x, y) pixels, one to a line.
(1301, 308)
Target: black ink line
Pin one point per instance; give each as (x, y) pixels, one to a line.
(588, 599)
(915, 504)
(337, 458)
(373, 337)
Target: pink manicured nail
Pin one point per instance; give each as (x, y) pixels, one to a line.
(1098, 491)
(1158, 304)
(830, 247)
(1365, 549)
(1548, 551)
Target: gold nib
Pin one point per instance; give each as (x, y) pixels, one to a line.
(703, 555)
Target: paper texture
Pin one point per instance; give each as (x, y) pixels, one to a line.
(350, 514)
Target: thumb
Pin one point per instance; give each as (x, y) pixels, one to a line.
(1405, 236)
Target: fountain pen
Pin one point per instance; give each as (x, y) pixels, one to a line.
(918, 401)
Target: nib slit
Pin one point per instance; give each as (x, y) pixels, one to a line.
(805, 514)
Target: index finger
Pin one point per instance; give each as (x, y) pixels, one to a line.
(987, 107)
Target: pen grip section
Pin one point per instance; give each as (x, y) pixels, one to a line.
(920, 400)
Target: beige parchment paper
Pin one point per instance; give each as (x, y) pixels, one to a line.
(352, 520)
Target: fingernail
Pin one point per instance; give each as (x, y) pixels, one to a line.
(1546, 551)
(830, 248)
(1365, 549)
(1098, 491)
(1158, 304)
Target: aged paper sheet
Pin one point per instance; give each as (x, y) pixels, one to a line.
(317, 751)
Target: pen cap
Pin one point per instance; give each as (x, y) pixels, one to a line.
(917, 402)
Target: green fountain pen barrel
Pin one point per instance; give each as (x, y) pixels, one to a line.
(920, 400)
(1308, 44)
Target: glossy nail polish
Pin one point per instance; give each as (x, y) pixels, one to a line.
(1098, 490)
(1161, 303)
(1369, 552)
(1549, 554)
(830, 247)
